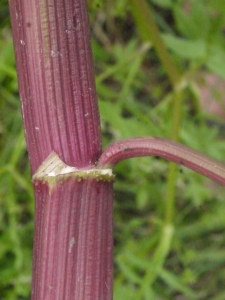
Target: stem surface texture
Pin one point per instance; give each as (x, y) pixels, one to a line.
(56, 80)
(73, 240)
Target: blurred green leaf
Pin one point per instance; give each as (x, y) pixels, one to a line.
(194, 23)
(216, 60)
(188, 49)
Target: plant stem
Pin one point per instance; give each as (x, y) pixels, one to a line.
(172, 173)
(73, 240)
(150, 32)
(73, 232)
(170, 150)
(56, 80)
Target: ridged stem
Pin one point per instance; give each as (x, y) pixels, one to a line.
(56, 80)
(164, 148)
(73, 212)
(73, 240)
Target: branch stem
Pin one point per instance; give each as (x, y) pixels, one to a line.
(150, 32)
(170, 150)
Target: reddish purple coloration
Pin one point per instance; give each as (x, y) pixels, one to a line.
(167, 149)
(73, 220)
(56, 80)
(73, 241)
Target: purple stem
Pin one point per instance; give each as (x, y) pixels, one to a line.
(56, 80)
(73, 241)
(170, 150)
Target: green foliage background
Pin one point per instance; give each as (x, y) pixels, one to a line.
(154, 259)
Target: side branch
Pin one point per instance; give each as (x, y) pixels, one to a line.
(170, 150)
